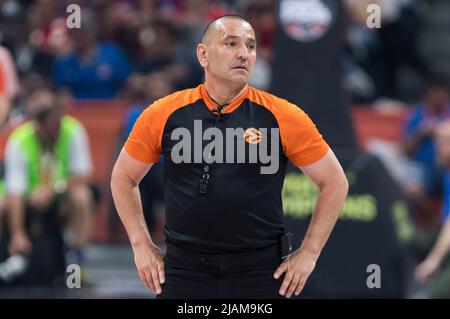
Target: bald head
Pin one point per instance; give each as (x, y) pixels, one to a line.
(216, 26)
(228, 52)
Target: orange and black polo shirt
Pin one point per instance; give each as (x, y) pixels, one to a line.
(242, 209)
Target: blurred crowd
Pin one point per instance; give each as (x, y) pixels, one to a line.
(125, 49)
(136, 51)
(141, 50)
(124, 45)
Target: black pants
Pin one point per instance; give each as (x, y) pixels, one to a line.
(235, 275)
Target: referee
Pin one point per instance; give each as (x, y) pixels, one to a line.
(226, 146)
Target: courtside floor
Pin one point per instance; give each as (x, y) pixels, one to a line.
(110, 274)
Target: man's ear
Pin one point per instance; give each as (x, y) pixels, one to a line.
(202, 55)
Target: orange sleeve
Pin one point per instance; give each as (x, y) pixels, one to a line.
(144, 141)
(302, 142)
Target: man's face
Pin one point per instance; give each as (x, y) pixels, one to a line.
(443, 143)
(437, 98)
(230, 52)
(49, 128)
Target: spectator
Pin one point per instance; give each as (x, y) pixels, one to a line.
(120, 22)
(437, 256)
(418, 140)
(92, 70)
(383, 55)
(143, 88)
(159, 55)
(192, 18)
(48, 37)
(261, 15)
(47, 165)
(9, 83)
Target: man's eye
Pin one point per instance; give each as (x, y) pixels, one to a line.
(231, 44)
(251, 46)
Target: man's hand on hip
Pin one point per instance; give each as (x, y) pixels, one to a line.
(298, 266)
(150, 265)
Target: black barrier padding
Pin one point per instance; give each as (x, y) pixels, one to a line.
(308, 74)
(355, 244)
(46, 262)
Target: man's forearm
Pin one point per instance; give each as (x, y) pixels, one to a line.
(328, 206)
(76, 180)
(442, 245)
(128, 204)
(16, 214)
(5, 106)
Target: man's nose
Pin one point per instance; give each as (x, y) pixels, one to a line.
(242, 52)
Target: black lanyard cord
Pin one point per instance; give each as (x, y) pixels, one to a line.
(206, 172)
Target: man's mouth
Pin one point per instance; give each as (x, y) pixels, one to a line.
(241, 67)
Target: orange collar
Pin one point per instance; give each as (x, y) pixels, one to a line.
(231, 107)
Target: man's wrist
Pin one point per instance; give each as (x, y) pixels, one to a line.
(18, 232)
(139, 242)
(310, 250)
(436, 256)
